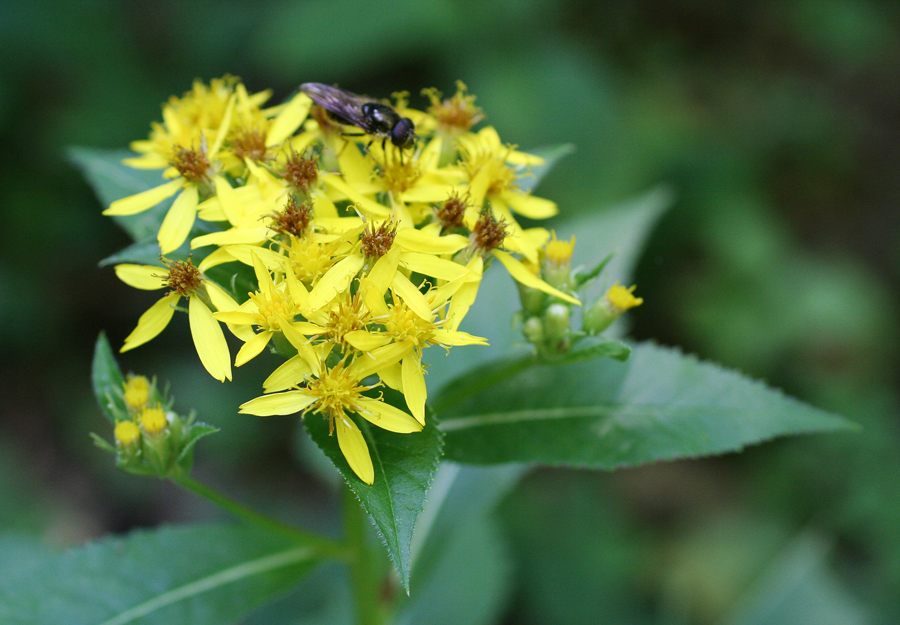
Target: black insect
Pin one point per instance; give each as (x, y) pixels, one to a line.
(375, 118)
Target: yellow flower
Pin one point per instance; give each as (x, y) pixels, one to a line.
(559, 253)
(184, 280)
(137, 391)
(621, 299)
(198, 113)
(271, 309)
(388, 250)
(407, 329)
(258, 135)
(127, 433)
(193, 169)
(454, 115)
(153, 420)
(492, 169)
(337, 393)
(608, 308)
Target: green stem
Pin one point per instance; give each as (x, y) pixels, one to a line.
(324, 546)
(364, 574)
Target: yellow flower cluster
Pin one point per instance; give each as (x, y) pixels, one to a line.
(362, 254)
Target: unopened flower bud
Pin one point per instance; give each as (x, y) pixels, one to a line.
(137, 392)
(127, 433)
(609, 308)
(556, 268)
(533, 330)
(153, 420)
(533, 301)
(556, 322)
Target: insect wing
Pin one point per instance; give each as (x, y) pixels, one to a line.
(345, 106)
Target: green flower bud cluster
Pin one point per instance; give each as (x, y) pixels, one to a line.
(150, 438)
(547, 321)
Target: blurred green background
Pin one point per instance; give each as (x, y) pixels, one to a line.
(775, 124)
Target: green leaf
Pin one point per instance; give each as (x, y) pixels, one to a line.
(112, 180)
(103, 444)
(209, 574)
(800, 588)
(404, 467)
(551, 155)
(323, 598)
(504, 368)
(621, 230)
(460, 495)
(578, 552)
(660, 405)
(107, 380)
(470, 584)
(145, 252)
(197, 431)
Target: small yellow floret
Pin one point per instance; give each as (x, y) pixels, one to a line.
(127, 433)
(621, 299)
(559, 253)
(153, 420)
(137, 391)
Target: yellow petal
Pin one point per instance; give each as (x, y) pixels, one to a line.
(383, 271)
(244, 253)
(530, 206)
(144, 277)
(448, 337)
(538, 236)
(288, 402)
(140, 202)
(377, 359)
(366, 341)
(412, 296)
(324, 208)
(414, 240)
(147, 161)
(431, 265)
(237, 317)
(464, 296)
(209, 340)
(152, 322)
(290, 373)
(427, 193)
(179, 220)
(211, 210)
(289, 119)
(522, 275)
(252, 348)
(354, 448)
(373, 296)
(219, 298)
(217, 257)
(223, 128)
(392, 376)
(364, 203)
(263, 278)
(231, 204)
(336, 280)
(477, 190)
(431, 154)
(232, 236)
(414, 386)
(355, 168)
(223, 303)
(387, 417)
(515, 240)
